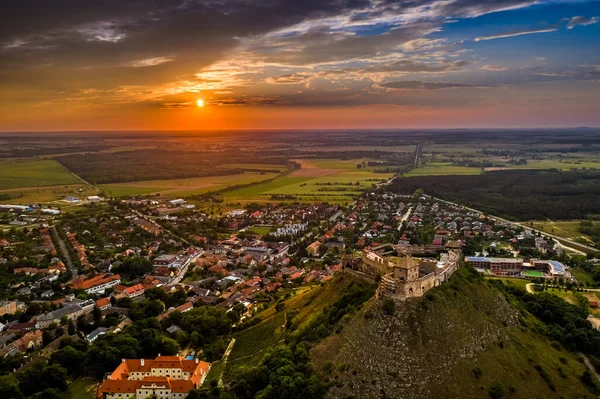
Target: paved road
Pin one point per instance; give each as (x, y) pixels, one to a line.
(563, 242)
(177, 279)
(405, 217)
(589, 365)
(417, 154)
(529, 288)
(63, 250)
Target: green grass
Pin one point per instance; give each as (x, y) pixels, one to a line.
(443, 169)
(338, 187)
(81, 388)
(259, 189)
(49, 194)
(34, 174)
(582, 276)
(564, 228)
(251, 166)
(216, 369)
(532, 273)
(309, 302)
(440, 339)
(345, 164)
(516, 282)
(556, 164)
(259, 230)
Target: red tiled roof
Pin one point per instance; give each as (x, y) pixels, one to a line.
(134, 289)
(102, 302)
(95, 281)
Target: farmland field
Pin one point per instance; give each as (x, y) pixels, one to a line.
(552, 164)
(443, 169)
(34, 174)
(330, 180)
(565, 228)
(184, 187)
(44, 194)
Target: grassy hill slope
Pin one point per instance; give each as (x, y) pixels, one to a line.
(275, 327)
(463, 340)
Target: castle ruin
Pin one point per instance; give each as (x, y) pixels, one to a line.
(403, 277)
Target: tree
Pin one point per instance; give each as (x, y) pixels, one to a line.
(71, 330)
(167, 346)
(9, 387)
(71, 359)
(418, 193)
(97, 315)
(50, 393)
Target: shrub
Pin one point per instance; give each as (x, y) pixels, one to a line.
(388, 306)
(496, 391)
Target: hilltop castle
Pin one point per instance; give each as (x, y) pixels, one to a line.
(403, 277)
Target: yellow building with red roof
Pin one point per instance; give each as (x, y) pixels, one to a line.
(166, 377)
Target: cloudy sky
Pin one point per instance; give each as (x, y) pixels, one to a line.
(143, 64)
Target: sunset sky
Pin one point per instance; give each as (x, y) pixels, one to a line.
(132, 64)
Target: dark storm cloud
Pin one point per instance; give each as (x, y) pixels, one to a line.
(70, 37)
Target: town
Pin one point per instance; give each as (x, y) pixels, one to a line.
(107, 267)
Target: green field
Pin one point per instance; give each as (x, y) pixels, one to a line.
(183, 187)
(582, 276)
(564, 228)
(443, 169)
(34, 174)
(554, 164)
(331, 180)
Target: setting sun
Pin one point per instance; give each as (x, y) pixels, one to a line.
(200, 103)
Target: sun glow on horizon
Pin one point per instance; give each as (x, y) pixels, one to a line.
(200, 103)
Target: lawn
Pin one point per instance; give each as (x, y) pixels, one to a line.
(34, 174)
(443, 169)
(532, 273)
(184, 187)
(259, 230)
(581, 275)
(81, 388)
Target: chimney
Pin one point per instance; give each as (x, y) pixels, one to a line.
(158, 355)
(197, 360)
(122, 360)
(142, 362)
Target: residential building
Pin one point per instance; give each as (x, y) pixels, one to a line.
(98, 284)
(11, 307)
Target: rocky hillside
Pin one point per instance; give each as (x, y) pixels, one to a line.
(462, 340)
